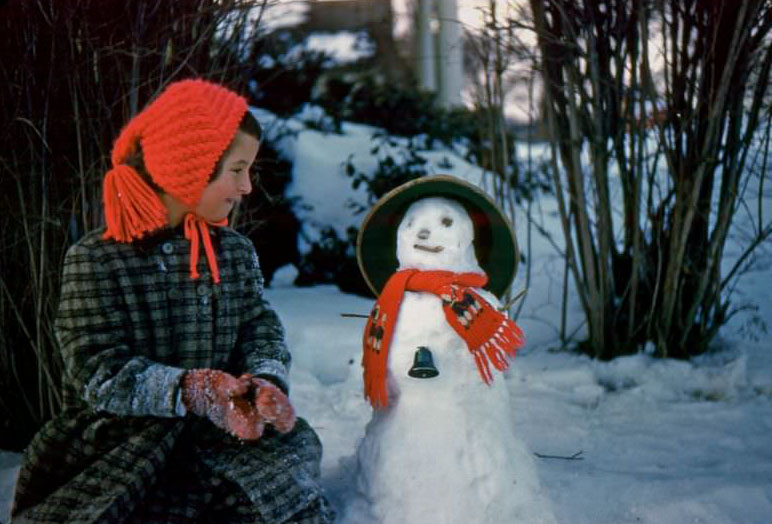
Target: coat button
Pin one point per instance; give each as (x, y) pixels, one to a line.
(204, 301)
(167, 248)
(174, 293)
(203, 290)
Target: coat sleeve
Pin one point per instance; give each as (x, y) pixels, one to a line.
(261, 334)
(99, 363)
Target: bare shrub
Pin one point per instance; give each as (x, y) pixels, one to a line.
(682, 137)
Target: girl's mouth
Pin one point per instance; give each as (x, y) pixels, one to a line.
(435, 249)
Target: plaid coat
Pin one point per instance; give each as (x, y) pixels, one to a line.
(130, 322)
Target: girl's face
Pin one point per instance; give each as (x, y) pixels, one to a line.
(231, 182)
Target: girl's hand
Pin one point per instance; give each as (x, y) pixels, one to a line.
(223, 399)
(273, 405)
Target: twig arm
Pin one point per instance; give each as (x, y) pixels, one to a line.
(575, 456)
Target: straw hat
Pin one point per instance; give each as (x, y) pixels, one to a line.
(495, 243)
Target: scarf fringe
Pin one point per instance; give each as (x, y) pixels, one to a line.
(504, 343)
(376, 392)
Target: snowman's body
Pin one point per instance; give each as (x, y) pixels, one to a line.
(444, 450)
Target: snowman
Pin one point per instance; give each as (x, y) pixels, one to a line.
(441, 446)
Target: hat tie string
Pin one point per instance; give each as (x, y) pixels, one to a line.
(197, 230)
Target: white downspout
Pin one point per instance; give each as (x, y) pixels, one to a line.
(451, 55)
(425, 43)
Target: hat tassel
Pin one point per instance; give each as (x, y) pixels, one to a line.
(131, 207)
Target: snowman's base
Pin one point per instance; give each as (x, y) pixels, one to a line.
(422, 462)
(445, 450)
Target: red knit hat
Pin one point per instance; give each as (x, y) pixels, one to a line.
(183, 133)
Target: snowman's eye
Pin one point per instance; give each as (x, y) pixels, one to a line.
(447, 222)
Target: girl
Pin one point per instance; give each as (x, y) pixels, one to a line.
(176, 369)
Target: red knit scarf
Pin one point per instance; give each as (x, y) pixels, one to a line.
(489, 334)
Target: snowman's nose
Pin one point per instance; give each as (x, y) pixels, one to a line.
(423, 234)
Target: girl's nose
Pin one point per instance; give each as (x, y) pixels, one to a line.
(424, 234)
(245, 184)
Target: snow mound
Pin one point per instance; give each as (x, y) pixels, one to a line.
(710, 377)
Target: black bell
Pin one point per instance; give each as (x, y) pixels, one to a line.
(423, 364)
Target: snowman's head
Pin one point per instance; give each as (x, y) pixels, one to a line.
(436, 233)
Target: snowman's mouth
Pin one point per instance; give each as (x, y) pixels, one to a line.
(430, 249)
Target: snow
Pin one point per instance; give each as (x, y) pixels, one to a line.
(342, 46)
(653, 441)
(280, 14)
(9, 469)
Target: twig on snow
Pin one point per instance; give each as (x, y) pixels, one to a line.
(575, 456)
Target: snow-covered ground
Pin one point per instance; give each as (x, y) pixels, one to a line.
(659, 442)
(652, 441)
(9, 467)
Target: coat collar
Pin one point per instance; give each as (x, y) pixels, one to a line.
(154, 239)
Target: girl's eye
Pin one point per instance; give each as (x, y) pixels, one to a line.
(447, 222)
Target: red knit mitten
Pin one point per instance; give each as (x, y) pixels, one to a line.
(223, 399)
(273, 405)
